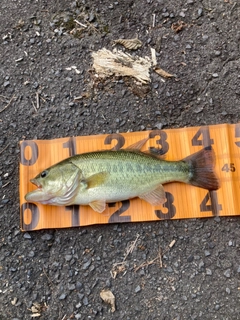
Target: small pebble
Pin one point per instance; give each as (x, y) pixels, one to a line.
(27, 236)
(231, 243)
(99, 239)
(85, 301)
(47, 237)
(68, 257)
(217, 53)
(165, 14)
(207, 253)
(71, 287)
(200, 12)
(204, 37)
(190, 258)
(87, 264)
(35, 85)
(228, 290)
(137, 289)
(159, 125)
(62, 296)
(6, 84)
(91, 17)
(227, 273)
(31, 254)
(208, 272)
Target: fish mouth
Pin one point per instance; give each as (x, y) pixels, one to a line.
(38, 195)
(36, 183)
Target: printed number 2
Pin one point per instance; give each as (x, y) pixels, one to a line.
(116, 216)
(115, 136)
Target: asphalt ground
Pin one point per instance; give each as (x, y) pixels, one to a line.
(181, 269)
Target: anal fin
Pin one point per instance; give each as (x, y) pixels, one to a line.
(155, 197)
(98, 205)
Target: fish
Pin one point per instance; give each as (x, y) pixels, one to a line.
(100, 177)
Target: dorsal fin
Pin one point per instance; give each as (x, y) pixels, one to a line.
(137, 145)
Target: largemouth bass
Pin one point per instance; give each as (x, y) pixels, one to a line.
(101, 177)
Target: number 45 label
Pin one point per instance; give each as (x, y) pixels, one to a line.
(229, 167)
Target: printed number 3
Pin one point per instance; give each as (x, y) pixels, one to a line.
(171, 209)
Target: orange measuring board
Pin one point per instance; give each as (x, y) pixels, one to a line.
(183, 201)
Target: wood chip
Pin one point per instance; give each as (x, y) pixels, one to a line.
(163, 73)
(178, 26)
(108, 297)
(154, 58)
(172, 243)
(107, 63)
(35, 315)
(131, 44)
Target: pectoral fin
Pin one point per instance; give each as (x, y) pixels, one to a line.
(155, 197)
(96, 179)
(98, 205)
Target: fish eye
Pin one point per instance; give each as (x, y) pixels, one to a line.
(44, 173)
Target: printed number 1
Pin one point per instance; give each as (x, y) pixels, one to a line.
(71, 145)
(237, 134)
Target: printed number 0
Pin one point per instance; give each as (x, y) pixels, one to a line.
(35, 215)
(34, 153)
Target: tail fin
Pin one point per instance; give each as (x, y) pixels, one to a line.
(202, 169)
